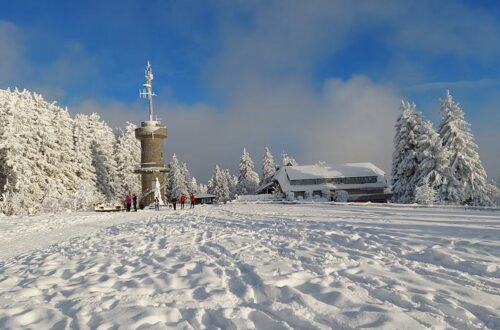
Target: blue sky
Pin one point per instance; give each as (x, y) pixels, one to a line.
(299, 76)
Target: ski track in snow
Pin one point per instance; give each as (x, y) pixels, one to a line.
(245, 266)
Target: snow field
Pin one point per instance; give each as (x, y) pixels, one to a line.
(265, 266)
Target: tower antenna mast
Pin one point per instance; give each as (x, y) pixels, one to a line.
(147, 91)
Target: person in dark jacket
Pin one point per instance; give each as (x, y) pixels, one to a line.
(174, 202)
(157, 203)
(134, 202)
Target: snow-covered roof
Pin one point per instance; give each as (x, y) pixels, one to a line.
(310, 172)
(305, 172)
(204, 196)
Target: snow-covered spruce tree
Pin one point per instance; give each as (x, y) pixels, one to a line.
(176, 180)
(195, 188)
(211, 184)
(432, 157)
(103, 158)
(65, 164)
(289, 160)
(268, 166)
(493, 194)
(464, 159)
(405, 156)
(87, 192)
(188, 180)
(128, 157)
(220, 185)
(425, 194)
(248, 179)
(202, 188)
(13, 183)
(232, 183)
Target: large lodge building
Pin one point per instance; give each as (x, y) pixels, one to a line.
(362, 182)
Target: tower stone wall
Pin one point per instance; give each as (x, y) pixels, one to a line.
(152, 136)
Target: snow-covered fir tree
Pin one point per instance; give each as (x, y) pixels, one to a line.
(268, 166)
(128, 157)
(103, 158)
(248, 179)
(493, 194)
(425, 194)
(195, 188)
(83, 138)
(288, 160)
(222, 189)
(188, 180)
(464, 158)
(202, 188)
(176, 180)
(405, 160)
(232, 183)
(218, 185)
(433, 171)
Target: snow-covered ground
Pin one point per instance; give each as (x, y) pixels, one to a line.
(266, 266)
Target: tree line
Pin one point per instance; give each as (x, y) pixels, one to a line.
(51, 162)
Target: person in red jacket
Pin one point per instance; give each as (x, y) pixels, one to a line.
(128, 202)
(183, 200)
(192, 198)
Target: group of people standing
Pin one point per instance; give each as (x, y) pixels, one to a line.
(132, 201)
(183, 199)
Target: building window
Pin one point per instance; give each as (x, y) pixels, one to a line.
(345, 180)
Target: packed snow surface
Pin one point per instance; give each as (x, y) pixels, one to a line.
(245, 266)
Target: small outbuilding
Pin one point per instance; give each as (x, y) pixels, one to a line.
(204, 199)
(355, 181)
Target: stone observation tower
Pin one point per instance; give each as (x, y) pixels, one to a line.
(151, 134)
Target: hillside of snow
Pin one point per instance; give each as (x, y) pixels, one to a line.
(245, 266)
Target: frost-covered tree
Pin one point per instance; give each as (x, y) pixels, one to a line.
(19, 195)
(433, 171)
(425, 194)
(83, 139)
(268, 166)
(493, 194)
(202, 188)
(103, 158)
(288, 160)
(218, 185)
(464, 158)
(50, 162)
(195, 188)
(248, 179)
(405, 160)
(232, 183)
(128, 158)
(188, 180)
(176, 180)
(39, 163)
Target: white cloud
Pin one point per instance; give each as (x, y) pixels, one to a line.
(12, 66)
(346, 121)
